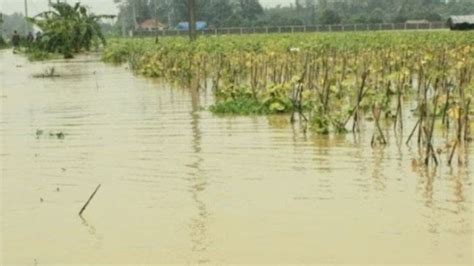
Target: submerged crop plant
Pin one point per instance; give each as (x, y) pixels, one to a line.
(332, 82)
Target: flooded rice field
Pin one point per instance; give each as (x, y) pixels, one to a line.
(183, 186)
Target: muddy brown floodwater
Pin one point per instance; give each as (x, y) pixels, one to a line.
(180, 185)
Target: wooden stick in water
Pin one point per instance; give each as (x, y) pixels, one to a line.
(452, 153)
(89, 200)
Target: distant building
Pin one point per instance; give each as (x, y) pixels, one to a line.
(421, 21)
(151, 25)
(200, 25)
(461, 22)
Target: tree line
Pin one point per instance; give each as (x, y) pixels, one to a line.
(244, 13)
(218, 13)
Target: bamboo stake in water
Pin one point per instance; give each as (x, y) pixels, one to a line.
(89, 200)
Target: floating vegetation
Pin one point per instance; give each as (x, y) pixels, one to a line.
(58, 135)
(39, 133)
(39, 55)
(49, 72)
(331, 82)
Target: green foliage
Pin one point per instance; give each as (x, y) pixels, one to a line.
(281, 16)
(243, 101)
(376, 16)
(3, 43)
(68, 29)
(320, 123)
(250, 9)
(276, 98)
(329, 16)
(239, 107)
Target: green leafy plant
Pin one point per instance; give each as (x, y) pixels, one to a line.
(68, 29)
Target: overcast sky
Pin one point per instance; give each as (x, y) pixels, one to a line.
(97, 6)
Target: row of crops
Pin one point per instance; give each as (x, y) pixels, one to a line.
(329, 82)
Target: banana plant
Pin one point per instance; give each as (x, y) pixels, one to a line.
(68, 29)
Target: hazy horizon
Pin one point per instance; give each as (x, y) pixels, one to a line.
(97, 6)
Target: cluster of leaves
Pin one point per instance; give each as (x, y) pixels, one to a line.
(68, 29)
(244, 101)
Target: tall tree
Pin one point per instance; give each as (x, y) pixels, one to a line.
(250, 9)
(192, 19)
(311, 9)
(220, 13)
(329, 16)
(134, 12)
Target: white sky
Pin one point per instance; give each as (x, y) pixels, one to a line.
(97, 6)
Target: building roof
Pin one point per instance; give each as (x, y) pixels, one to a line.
(462, 19)
(151, 23)
(417, 21)
(200, 25)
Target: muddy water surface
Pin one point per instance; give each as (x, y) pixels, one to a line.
(180, 185)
